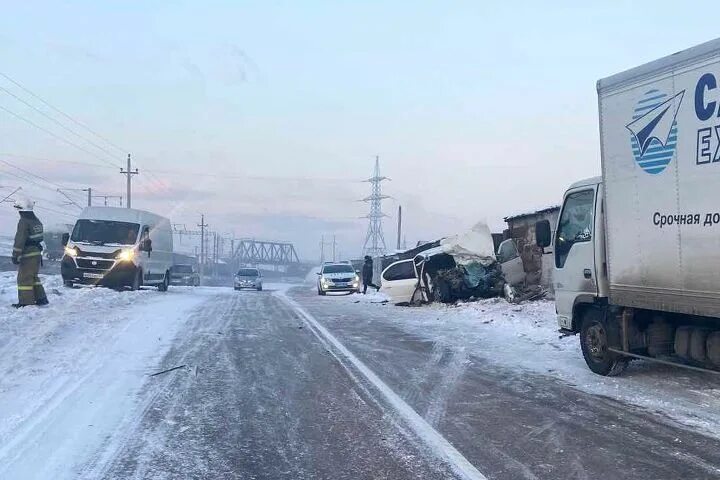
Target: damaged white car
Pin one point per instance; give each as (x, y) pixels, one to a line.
(460, 267)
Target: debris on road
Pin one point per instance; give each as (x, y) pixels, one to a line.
(168, 370)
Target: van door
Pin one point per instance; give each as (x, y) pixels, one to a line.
(399, 281)
(574, 252)
(511, 262)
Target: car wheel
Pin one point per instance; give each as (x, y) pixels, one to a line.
(259, 289)
(321, 293)
(68, 283)
(595, 337)
(137, 280)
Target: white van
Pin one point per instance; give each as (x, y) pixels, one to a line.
(118, 247)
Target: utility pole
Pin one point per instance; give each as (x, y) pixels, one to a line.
(89, 192)
(202, 226)
(334, 244)
(399, 232)
(129, 172)
(215, 253)
(322, 249)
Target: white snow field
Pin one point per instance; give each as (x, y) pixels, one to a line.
(70, 372)
(525, 337)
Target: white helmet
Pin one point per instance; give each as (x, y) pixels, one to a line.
(24, 204)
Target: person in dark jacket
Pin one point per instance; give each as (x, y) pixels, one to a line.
(367, 274)
(27, 254)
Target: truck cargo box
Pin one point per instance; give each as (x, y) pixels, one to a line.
(660, 147)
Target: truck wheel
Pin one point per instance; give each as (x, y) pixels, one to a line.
(698, 339)
(594, 336)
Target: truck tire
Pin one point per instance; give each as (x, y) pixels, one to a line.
(698, 340)
(595, 335)
(682, 342)
(713, 348)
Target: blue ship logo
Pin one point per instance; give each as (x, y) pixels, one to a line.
(654, 130)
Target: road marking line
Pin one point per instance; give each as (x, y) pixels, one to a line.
(432, 438)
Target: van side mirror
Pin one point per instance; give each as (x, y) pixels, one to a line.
(65, 239)
(542, 234)
(146, 245)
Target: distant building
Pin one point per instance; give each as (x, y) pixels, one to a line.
(521, 228)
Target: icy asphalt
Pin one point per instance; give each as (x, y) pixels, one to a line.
(284, 384)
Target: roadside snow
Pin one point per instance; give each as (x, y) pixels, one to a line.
(525, 337)
(70, 372)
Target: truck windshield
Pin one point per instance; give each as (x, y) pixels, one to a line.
(101, 232)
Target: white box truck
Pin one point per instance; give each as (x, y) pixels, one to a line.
(637, 251)
(118, 247)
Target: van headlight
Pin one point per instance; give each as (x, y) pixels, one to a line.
(125, 255)
(71, 251)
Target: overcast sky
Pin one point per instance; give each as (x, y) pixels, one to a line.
(266, 116)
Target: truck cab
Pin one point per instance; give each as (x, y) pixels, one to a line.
(580, 270)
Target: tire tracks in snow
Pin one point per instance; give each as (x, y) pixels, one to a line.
(439, 446)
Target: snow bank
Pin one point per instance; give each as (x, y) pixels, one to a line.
(525, 337)
(70, 372)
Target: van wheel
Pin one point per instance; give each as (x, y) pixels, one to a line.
(137, 280)
(595, 336)
(163, 287)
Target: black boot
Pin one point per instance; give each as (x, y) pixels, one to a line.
(19, 305)
(42, 301)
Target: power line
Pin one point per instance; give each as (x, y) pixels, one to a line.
(60, 124)
(55, 211)
(52, 134)
(31, 174)
(30, 180)
(76, 122)
(45, 159)
(72, 119)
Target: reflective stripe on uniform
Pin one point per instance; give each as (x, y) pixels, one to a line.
(38, 284)
(25, 288)
(36, 236)
(31, 254)
(17, 249)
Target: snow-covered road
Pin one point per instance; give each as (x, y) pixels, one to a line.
(70, 373)
(286, 384)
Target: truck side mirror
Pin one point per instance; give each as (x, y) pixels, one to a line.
(542, 234)
(65, 239)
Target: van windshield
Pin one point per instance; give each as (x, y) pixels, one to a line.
(101, 232)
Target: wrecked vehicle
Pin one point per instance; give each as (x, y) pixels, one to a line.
(460, 267)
